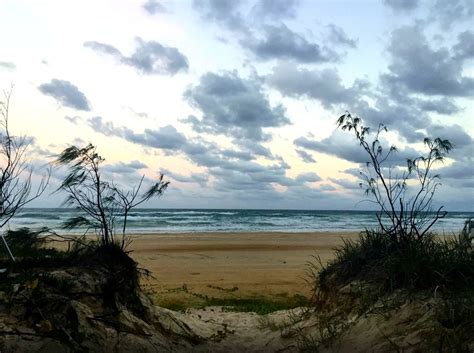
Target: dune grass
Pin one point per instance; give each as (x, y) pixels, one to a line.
(385, 274)
(427, 263)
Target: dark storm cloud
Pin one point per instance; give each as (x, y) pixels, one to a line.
(305, 156)
(280, 42)
(323, 85)
(452, 11)
(337, 36)
(402, 5)
(65, 93)
(153, 7)
(7, 65)
(166, 137)
(149, 57)
(234, 107)
(275, 9)
(224, 12)
(419, 68)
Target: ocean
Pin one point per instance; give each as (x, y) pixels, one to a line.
(231, 220)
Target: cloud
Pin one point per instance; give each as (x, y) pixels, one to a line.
(275, 9)
(452, 11)
(310, 177)
(231, 174)
(338, 144)
(419, 68)
(65, 93)
(7, 65)
(441, 106)
(73, 119)
(103, 48)
(402, 5)
(197, 178)
(149, 57)
(166, 137)
(337, 36)
(346, 184)
(279, 42)
(457, 171)
(153, 7)
(234, 107)
(343, 145)
(139, 114)
(323, 85)
(124, 168)
(224, 12)
(267, 40)
(464, 48)
(305, 156)
(454, 133)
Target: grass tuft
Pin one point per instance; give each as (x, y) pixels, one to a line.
(427, 263)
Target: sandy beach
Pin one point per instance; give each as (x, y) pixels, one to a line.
(239, 264)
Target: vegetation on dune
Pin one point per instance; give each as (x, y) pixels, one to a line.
(402, 260)
(47, 276)
(405, 212)
(70, 296)
(402, 252)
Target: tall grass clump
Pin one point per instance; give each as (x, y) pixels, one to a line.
(427, 263)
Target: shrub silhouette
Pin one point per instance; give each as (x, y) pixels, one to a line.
(105, 207)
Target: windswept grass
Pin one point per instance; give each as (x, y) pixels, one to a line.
(427, 263)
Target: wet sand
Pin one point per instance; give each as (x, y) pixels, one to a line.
(244, 264)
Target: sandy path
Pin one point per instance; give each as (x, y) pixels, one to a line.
(270, 264)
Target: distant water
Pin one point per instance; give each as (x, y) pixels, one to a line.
(212, 220)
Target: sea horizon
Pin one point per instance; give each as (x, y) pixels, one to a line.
(193, 220)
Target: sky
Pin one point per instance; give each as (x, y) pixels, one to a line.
(236, 102)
